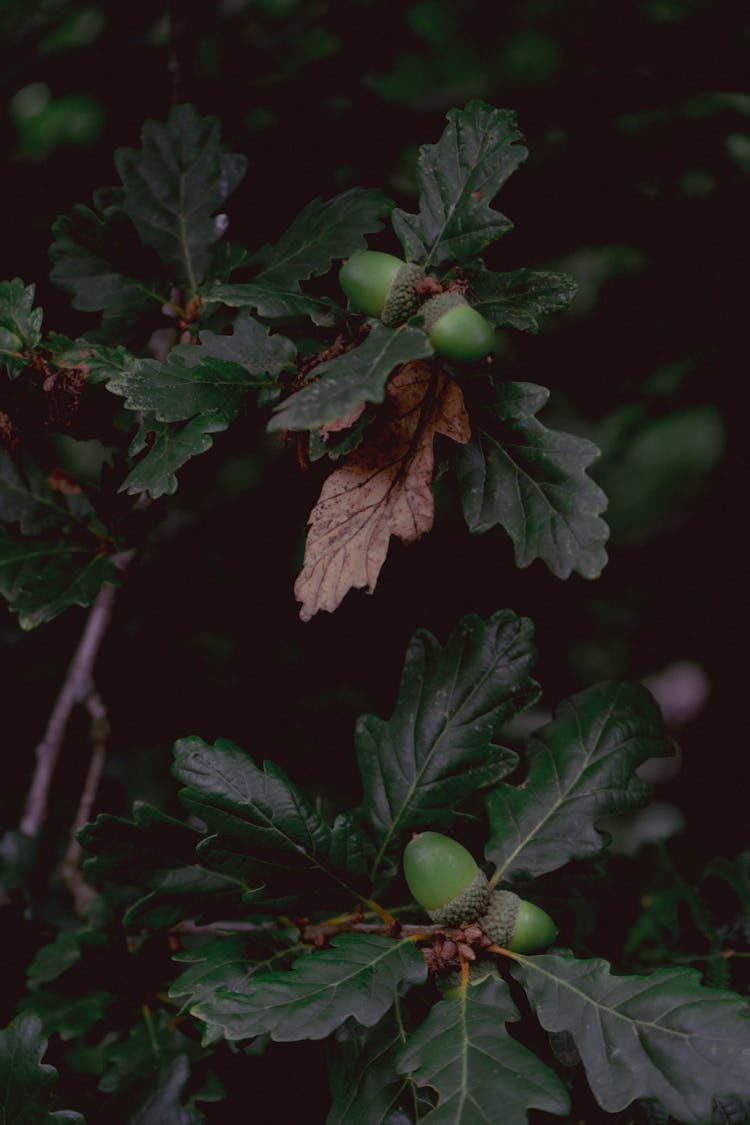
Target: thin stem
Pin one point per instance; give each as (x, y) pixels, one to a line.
(70, 870)
(77, 687)
(312, 930)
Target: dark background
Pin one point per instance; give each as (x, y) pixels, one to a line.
(637, 116)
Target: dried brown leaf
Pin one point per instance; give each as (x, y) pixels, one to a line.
(383, 488)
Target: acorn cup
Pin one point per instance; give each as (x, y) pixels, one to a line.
(444, 878)
(381, 285)
(516, 924)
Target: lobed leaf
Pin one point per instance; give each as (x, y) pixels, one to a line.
(20, 324)
(273, 301)
(659, 1036)
(458, 179)
(582, 767)
(321, 233)
(517, 299)
(356, 977)
(89, 261)
(357, 376)
(533, 482)
(169, 445)
(437, 748)
(208, 380)
(156, 853)
(228, 963)
(26, 1084)
(173, 186)
(365, 1087)
(463, 1050)
(261, 823)
(28, 499)
(175, 391)
(40, 579)
(382, 489)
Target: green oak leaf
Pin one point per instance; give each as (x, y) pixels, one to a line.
(40, 579)
(178, 390)
(458, 179)
(174, 185)
(169, 445)
(356, 976)
(228, 963)
(659, 1036)
(28, 499)
(533, 482)
(517, 299)
(260, 823)
(250, 345)
(69, 1016)
(321, 233)
(151, 1042)
(210, 379)
(157, 853)
(365, 1088)
(273, 301)
(582, 767)
(463, 1050)
(91, 260)
(358, 375)
(26, 1083)
(437, 748)
(20, 324)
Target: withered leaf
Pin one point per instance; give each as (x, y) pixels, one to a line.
(383, 488)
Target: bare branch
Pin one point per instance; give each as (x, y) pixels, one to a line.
(70, 869)
(76, 688)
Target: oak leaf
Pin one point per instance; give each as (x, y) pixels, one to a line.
(383, 488)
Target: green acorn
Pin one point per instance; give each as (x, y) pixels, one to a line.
(444, 878)
(455, 329)
(382, 285)
(517, 925)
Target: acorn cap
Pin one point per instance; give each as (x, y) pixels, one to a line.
(437, 306)
(466, 906)
(402, 299)
(500, 920)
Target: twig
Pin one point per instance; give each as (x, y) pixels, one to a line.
(77, 688)
(70, 869)
(311, 931)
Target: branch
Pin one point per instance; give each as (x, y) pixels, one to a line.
(70, 869)
(312, 932)
(77, 688)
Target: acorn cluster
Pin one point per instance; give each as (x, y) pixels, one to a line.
(384, 286)
(444, 878)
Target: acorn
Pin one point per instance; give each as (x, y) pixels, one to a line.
(516, 924)
(445, 880)
(381, 285)
(455, 329)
